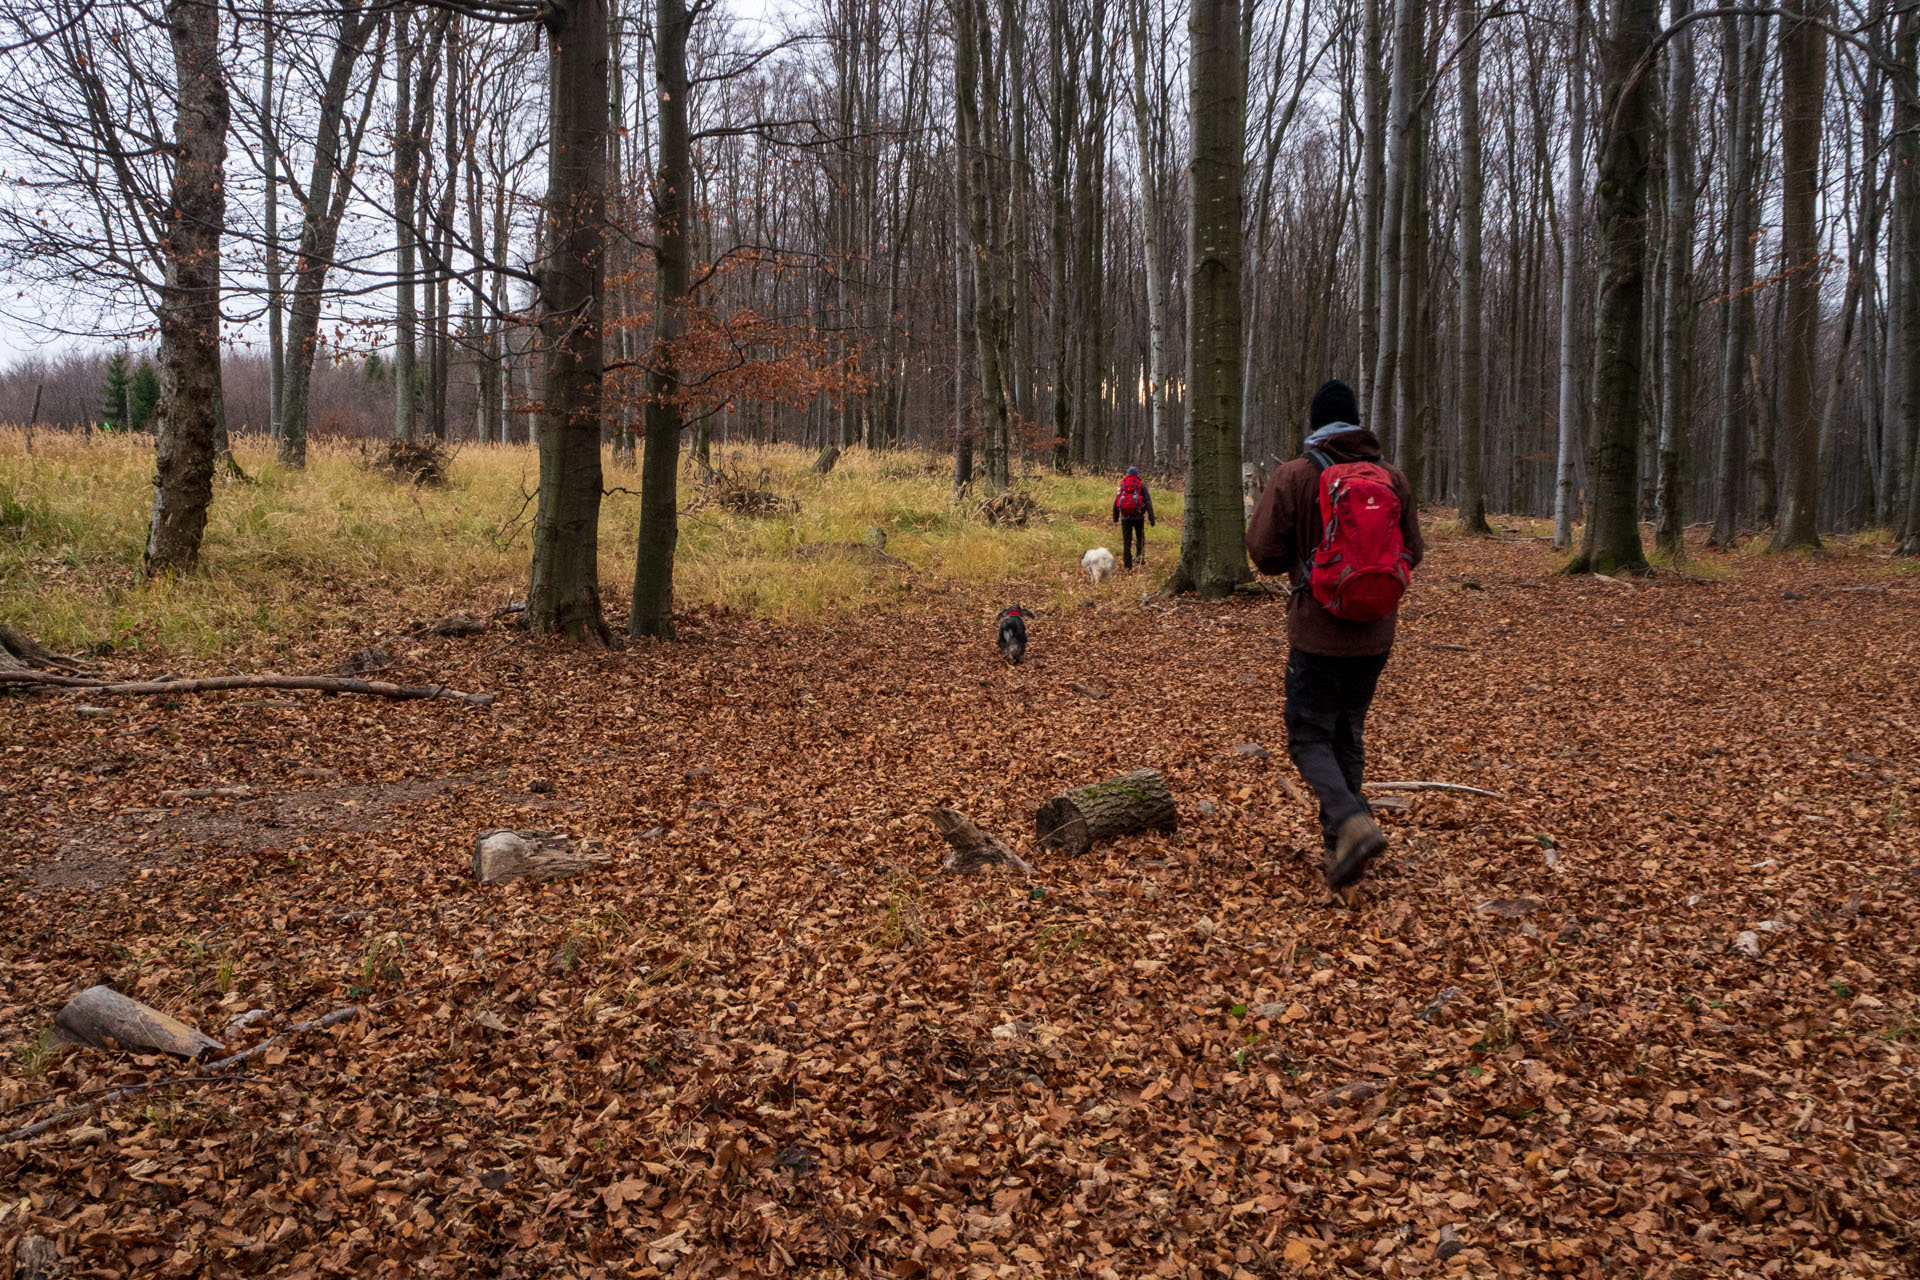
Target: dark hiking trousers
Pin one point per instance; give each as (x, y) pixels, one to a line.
(1327, 701)
(1133, 529)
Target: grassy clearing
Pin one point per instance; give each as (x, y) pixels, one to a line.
(336, 545)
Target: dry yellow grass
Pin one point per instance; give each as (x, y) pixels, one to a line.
(336, 545)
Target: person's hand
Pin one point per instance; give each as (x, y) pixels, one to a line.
(1153, 522)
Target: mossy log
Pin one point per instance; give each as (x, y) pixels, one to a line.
(1074, 820)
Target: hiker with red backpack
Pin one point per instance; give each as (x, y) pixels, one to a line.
(1133, 510)
(1344, 525)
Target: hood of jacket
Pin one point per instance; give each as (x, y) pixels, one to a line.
(1344, 442)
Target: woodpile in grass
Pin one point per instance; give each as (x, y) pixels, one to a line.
(420, 462)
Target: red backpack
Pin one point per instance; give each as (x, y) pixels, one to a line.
(1133, 496)
(1361, 567)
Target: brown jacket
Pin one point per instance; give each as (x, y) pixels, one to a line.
(1286, 528)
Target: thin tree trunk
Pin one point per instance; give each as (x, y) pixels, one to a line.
(972, 54)
(652, 613)
(1473, 500)
(1743, 57)
(270, 214)
(335, 158)
(1407, 47)
(1572, 220)
(563, 595)
(1676, 406)
(1373, 73)
(1803, 63)
(1156, 266)
(1064, 109)
(1213, 557)
(1907, 206)
(189, 311)
(406, 176)
(1612, 541)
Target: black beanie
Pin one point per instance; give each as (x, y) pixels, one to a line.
(1333, 402)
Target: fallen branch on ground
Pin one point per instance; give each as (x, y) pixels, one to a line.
(1433, 786)
(972, 847)
(206, 1075)
(212, 684)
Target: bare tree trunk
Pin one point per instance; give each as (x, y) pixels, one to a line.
(1676, 406)
(564, 592)
(1213, 557)
(1744, 57)
(972, 56)
(1907, 211)
(1473, 498)
(1373, 199)
(1412, 393)
(336, 155)
(962, 319)
(189, 311)
(1157, 283)
(1407, 49)
(1572, 220)
(1064, 109)
(1803, 63)
(1612, 540)
(406, 177)
(652, 613)
(270, 217)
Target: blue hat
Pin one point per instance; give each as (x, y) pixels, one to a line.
(1133, 471)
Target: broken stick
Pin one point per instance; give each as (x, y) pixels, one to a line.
(1433, 786)
(213, 684)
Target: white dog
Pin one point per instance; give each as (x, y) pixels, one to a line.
(1098, 563)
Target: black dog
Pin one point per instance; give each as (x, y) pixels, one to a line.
(1013, 633)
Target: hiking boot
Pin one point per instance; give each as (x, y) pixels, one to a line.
(1358, 842)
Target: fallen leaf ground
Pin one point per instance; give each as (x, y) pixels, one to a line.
(765, 1041)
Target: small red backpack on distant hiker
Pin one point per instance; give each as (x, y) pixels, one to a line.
(1133, 496)
(1361, 567)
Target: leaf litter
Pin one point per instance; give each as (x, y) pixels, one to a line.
(765, 1040)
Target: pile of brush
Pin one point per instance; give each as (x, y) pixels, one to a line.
(422, 461)
(1010, 507)
(725, 487)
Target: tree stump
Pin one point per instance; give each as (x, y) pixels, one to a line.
(1074, 820)
(972, 847)
(824, 463)
(532, 855)
(103, 1018)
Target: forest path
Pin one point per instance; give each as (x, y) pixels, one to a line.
(762, 1034)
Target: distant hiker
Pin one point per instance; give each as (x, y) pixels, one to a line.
(1344, 525)
(1133, 509)
(1013, 633)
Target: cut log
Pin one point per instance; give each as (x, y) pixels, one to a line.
(824, 463)
(1074, 820)
(105, 1019)
(503, 854)
(213, 684)
(973, 848)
